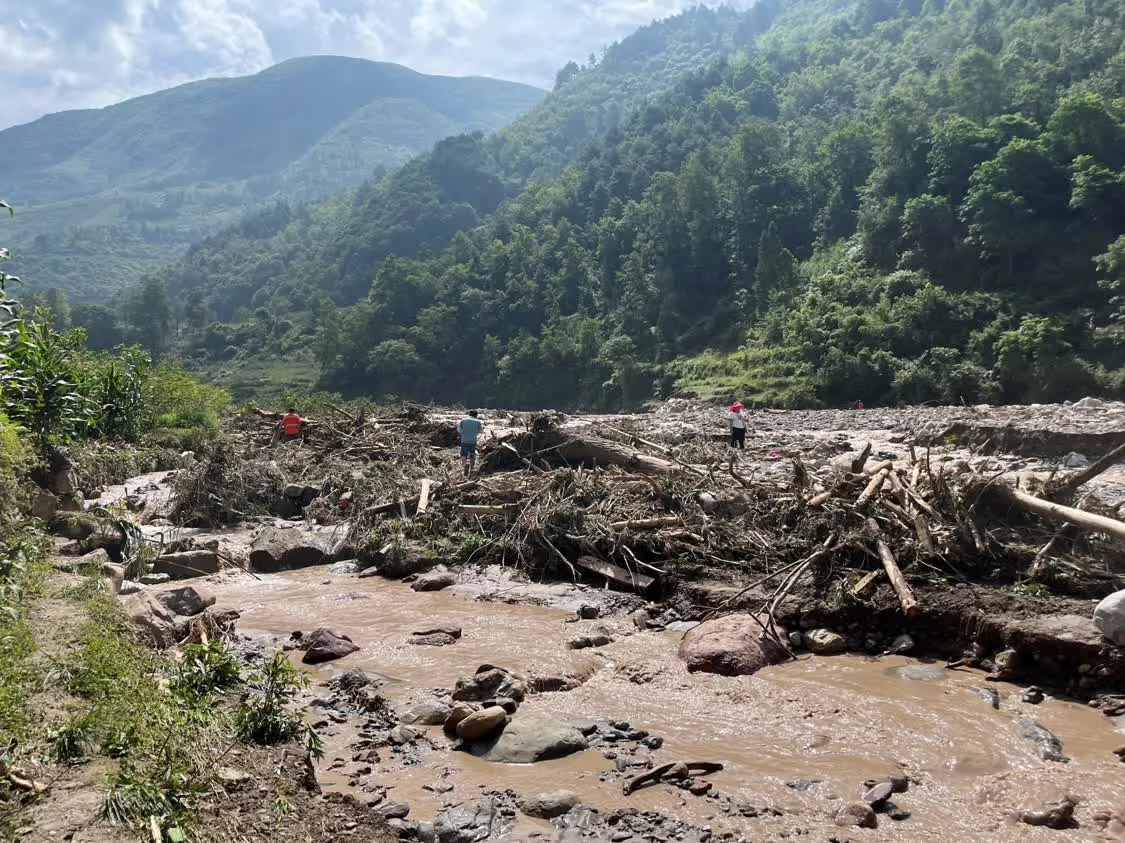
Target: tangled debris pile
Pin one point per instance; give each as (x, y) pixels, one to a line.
(555, 498)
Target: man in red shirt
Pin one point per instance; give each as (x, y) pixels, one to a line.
(291, 425)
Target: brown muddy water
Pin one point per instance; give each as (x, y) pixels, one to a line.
(800, 737)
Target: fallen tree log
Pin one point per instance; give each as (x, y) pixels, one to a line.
(902, 588)
(1093, 470)
(606, 454)
(684, 769)
(615, 573)
(649, 523)
(1062, 514)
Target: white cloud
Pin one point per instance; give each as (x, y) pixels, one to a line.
(60, 54)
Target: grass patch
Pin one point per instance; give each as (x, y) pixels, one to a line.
(758, 377)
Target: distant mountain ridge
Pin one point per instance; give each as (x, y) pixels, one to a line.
(170, 166)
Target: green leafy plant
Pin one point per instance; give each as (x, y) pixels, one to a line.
(266, 716)
(207, 669)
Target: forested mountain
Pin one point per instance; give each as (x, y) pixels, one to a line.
(914, 200)
(282, 258)
(130, 186)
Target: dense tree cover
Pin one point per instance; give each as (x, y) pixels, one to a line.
(126, 189)
(455, 187)
(899, 201)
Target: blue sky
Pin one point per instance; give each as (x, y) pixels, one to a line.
(61, 54)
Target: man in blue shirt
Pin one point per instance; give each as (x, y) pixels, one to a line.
(469, 429)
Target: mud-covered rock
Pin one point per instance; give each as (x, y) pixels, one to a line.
(45, 505)
(488, 683)
(452, 630)
(734, 645)
(187, 565)
(1109, 618)
(857, 815)
(434, 639)
(74, 525)
(530, 738)
(1050, 747)
(469, 823)
(427, 712)
(185, 601)
(434, 581)
(286, 549)
(397, 560)
(1058, 814)
(825, 642)
(482, 723)
(324, 645)
(547, 806)
(585, 642)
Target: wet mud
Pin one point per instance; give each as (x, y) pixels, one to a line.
(797, 741)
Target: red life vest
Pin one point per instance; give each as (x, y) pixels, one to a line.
(291, 424)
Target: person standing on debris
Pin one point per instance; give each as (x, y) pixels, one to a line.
(737, 420)
(469, 429)
(290, 424)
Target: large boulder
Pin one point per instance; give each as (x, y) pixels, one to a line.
(481, 724)
(734, 645)
(471, 822)
(434, 581)
(426, 712)
(530, 738)
(1109, 618)
(45, 506)
(285, 549)
(185, 601)
(324, 645)
(185, 566)
(490, 683)
(396, 560)
(825, 642)
(74, 525)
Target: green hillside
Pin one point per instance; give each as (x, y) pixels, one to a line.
(127, 187)
(888, 201)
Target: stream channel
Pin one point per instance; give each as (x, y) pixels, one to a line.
(797, 740)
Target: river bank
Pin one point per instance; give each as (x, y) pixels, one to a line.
(495, 576)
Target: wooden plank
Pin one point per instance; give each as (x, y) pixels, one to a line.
(424, 498)
(615, 573)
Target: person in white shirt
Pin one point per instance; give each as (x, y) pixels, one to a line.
(737, 421)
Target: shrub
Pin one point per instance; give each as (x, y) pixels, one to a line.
(175, 399)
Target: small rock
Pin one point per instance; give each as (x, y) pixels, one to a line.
(1050, 747)
(878, 795)
(796, 640)
(699, 788)
(458, 712)
(451, 630)
(989, 695)
(482, 723)
(1120, 752)
(857, 815)
(825, 642)
(488, 683)
(902, 644)
(434, 581)
(588, 613)
(155, 579)
(898, 814)
(547, 806)
(584, 642)
(653, 742)
(641, 619)
(393, 810)
(344, 568)
(900, 783)
(1075, 460)
(324, 645)
(400, 735)
(232, 779)
(129, 587)
(437, 639)
(1058, 814)
(1032, 695)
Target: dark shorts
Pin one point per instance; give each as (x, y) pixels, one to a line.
(468, 450)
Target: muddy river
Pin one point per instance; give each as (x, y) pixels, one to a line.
(800, 738)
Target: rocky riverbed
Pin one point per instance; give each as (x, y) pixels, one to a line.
(473, 701)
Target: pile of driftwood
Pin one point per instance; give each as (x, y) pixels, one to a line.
(597, 502)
